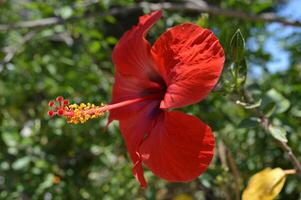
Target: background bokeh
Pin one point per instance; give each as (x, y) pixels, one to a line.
(43, 158)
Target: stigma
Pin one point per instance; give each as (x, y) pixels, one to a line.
(75, 113)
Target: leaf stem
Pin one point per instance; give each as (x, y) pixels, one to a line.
(265, 123)
(290, 171)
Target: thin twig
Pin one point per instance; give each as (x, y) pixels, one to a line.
(222, 153)
(204, 7)
(236, 174)
(46, 21)
(265, 123)
(228, 162)
(11, 51)
(291, 156)
(222, 156)
(185, 6)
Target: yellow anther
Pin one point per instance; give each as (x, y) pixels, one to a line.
(73, 106)
(83, 112)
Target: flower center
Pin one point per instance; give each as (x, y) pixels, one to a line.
(80, 113)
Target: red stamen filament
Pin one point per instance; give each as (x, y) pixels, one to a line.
(83, 112)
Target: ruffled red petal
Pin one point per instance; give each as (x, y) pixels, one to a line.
(135, 73)
(131, 56)
(136, 77)
(190, 59)
(134, 129)
(179, 147)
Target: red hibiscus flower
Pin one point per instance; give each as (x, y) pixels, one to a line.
(180, 69)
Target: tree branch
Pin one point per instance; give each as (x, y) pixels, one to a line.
(196, 6)
(11, 51)
(228, 162)
(202, 6)
(265, 123)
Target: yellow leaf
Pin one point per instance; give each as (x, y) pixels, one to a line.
(265, 185)
(183, 197)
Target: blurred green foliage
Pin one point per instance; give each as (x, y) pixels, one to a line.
(42, 158)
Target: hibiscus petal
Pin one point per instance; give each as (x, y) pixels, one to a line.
(135, 74)
(190, 59)
(134, 129)
(179, 147)
(126, 88)
(131, 55)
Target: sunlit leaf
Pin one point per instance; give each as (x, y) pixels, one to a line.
(48, 182)
(278, 133)
(282, 103)
(21, 163)
(296, 112)
(66, 12)
(10, 138)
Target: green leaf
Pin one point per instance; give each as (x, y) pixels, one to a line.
(269, 109)
(21, 163)
(203, 20)
(47, 183)
(111, 19)
(95, 47)
(282, 103)
(237, 46)
(10, 138)
(66, 12)
(111, 40)
(249, 123)
(296, 112)
(239, 72)
(278, 133)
